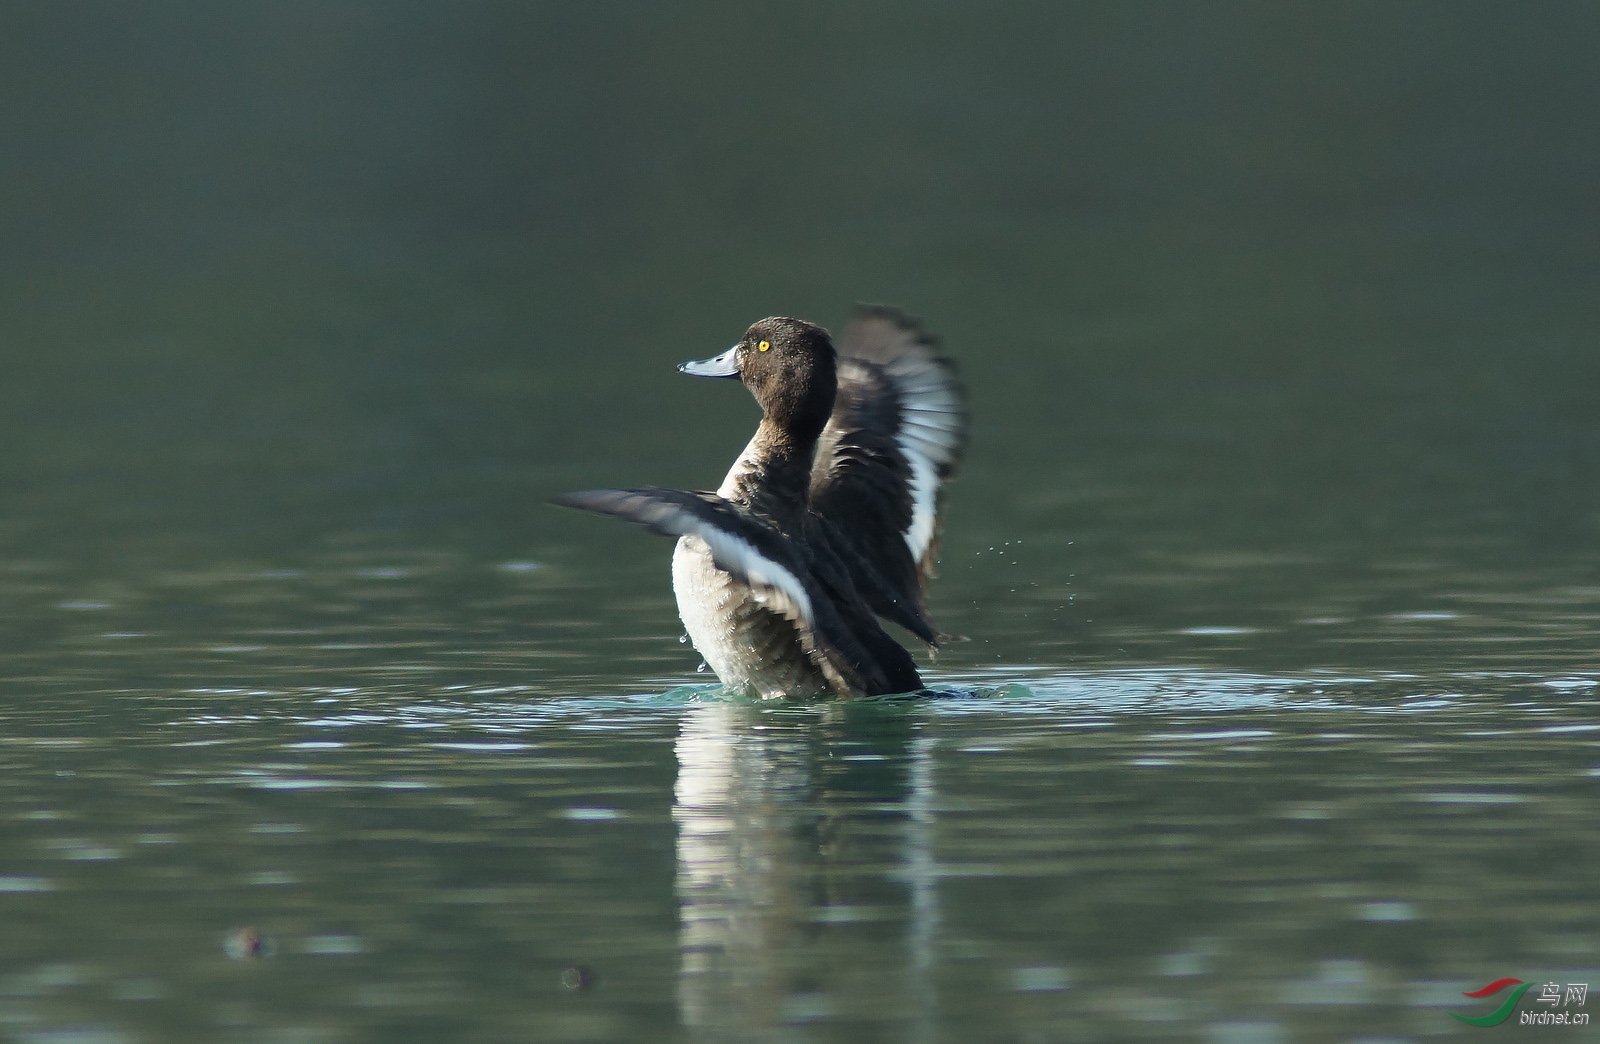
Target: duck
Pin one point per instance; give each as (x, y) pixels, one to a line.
(828, 523)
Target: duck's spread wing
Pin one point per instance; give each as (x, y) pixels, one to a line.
(740, 543)
(755, 553)
(896, 436)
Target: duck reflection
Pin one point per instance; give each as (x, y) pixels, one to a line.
(804, 851)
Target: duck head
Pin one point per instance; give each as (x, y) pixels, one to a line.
(788, 365)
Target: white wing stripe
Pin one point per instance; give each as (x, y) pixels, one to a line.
(929, 438)
(760, 569)
(924, 501)
(772, 584)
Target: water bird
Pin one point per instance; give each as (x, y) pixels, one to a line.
(828, 520)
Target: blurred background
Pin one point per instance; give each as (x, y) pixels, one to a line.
(276, 274)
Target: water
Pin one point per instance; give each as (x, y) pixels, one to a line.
(441, 825)
(1276, 545)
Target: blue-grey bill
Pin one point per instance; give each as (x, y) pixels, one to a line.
(724, 365)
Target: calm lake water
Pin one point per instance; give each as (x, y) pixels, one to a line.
(1276, 545)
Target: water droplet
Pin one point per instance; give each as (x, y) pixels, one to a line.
(245, 944)
(683, 639)
(703, 668)
(577, 978)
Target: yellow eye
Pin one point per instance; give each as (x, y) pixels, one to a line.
(763, 346)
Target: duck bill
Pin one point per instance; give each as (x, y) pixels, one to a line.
(724, 365)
